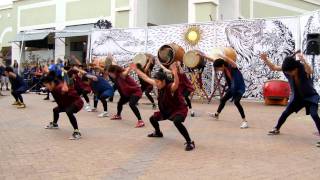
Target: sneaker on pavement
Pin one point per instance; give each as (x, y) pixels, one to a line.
(116, 117)
(16, 103)
(21, 106)
(76, 135)
(154, 106)
(190, 146)
(46, 98)
(274, 131)
(103, 114)
(92, 110)
(214, 115)
(244, 125)
(155, 135)
(318, 144)
(192, 114)
(52, 126)
(140, 124)
(86, 107)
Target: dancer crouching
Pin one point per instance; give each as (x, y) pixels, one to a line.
(18, 87)
(236, 86)
(129, 92)
(68, 101)
(185, 85)
(101, 88)
(170, 102)
(303, 93)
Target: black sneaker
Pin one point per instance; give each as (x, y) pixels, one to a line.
(154, 106)
(318, 144)
(274, 131)
(52, 126)
(47, 98)
(156, 134)
(189, 146)
(75, 135)
(192, 114)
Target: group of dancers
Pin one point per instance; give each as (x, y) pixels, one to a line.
(173, 92)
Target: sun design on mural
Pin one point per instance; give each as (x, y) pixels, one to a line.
(192, 35)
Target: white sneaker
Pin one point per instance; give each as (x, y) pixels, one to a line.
(244, 125)
(88, 108)
(214, 115)
(92, 110)
(104, 114)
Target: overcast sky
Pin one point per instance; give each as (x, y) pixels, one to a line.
(4, 2)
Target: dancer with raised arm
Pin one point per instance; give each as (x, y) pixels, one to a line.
(185, 85)
(303, 93)
(236, 86)
(129, 91)
(146, 87)
(171, 103)
(101, 88)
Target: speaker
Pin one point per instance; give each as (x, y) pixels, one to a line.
(313, 44)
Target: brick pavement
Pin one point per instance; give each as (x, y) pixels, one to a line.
(116, 150)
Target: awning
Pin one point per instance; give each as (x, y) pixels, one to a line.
(31, 36)
(73, 31)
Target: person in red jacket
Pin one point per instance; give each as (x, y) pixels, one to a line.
(170, 102)
(185, 85)
(82, 86)
(68, 101)
(129, 91)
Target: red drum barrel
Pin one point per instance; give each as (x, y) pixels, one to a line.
(276, 92)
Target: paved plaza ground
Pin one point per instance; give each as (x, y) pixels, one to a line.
(117, 150)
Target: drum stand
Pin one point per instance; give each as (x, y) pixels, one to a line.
(196, 81)
(218, 86)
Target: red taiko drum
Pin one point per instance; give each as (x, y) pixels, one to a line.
(276, 92)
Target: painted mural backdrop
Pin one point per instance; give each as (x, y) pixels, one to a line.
(278, 37)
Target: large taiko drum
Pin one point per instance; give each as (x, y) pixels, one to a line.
(170, 53)
(227, 51)
(276, 92)
(194, 59)
(142, 59)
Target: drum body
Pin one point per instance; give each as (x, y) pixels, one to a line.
(170, 53)
(142, 59)
(227, 51)
(276, 92)
(194, 59)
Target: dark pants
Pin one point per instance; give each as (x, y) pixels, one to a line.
(236, 100)
(84, 95)
(114, 90)
(16, 93)
(133, 100)
(187, 99)
(70, 113)
(103, 98)
(147, 93)
(177, 121)
(296, 106)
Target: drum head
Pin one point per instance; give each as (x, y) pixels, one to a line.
(140, 59)
(166, 54)
(216, 53)
(191, 59)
